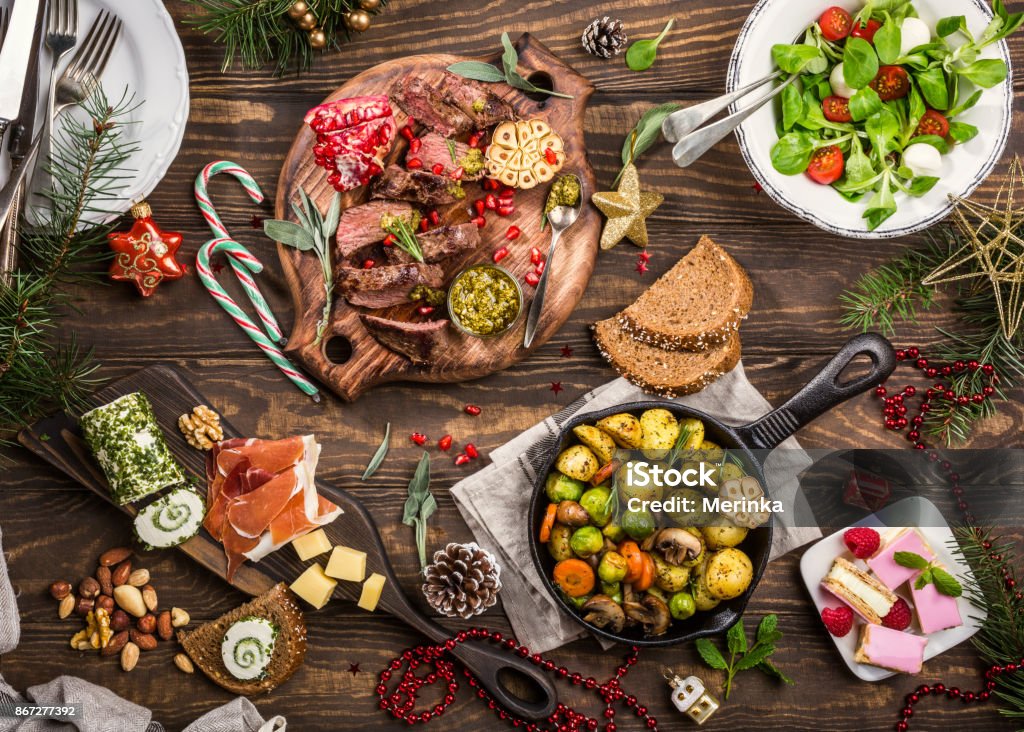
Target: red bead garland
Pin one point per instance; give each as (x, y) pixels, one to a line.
(401, 702)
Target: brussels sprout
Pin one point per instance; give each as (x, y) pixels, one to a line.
(613, 532)
(669, 577)
(561, 487)
(558, 544)
(682, 605)
(597, 504)
(576, 602)
(612, 567)
(586, 541)
(638, 524)
(612, 590)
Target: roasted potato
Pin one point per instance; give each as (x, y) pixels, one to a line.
(730, 471)
(711, 452)
(723, 536)
(668, 577)
(660, 431)
(728, 574)
(653, 491)
(578, 462)
(624, 429)
(558, 544)
(599, 442)
(701, 597)
(693, 428)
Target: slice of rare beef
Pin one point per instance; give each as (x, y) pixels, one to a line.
(476, 101)
(424, 102)
(360, 226)
(421, 343)
(418, 186)
(434, 150)
(439, 244)
(387, 285)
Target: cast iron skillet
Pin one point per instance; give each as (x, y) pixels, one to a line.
(821, 394)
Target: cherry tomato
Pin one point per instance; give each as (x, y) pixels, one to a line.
(867, 32)
(826, 165)
(836, 109)
(835, 23)
(892, 82)
(933, 123)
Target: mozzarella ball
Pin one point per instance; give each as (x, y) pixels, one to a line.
(923, 159)
(838, 83)
(914, 32)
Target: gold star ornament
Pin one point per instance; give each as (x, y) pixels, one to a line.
(627, 210)
(994, 250)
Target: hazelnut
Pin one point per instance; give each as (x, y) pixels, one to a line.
(119, 620)
(84, 606)
(89, 588)
(105, 602)
(60, 589)
(147, 623)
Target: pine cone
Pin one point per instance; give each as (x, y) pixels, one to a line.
(604, 37)
(462, 581)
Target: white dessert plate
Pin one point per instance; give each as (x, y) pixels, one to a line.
(963, 169)
(917, 512)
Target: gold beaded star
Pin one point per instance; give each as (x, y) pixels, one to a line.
(994, 250)
(627, 209)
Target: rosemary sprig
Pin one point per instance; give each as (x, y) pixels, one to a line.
(405, 237)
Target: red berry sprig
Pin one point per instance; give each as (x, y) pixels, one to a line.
(401, 702)
(967, 697)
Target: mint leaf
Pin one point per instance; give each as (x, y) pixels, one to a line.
(946, 583)
(924, 579)
(767, 627)
(772, 670)
(756, 656)
(911, 560)
(737, 638)
(711, 655)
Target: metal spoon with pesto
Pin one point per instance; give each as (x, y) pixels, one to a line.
(560, 218)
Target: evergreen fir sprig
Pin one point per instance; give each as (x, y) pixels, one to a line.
(60, 243)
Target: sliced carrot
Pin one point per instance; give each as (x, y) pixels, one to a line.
(605, 472)
(548, 523)
(647, 576)
(634, 560)
(574, 576)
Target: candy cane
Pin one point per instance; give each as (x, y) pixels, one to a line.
(239, 254)
(216, 225)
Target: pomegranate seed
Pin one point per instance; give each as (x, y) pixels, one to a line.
(414, 145)
(437, 169)
(424, 224)
(490, 202)
(535, 255)
(413, 163)
(458, 173)
(410, 122)
(472, 409)
(507, 193)
(479, 221)
(474, 139)
(491, 185)
(478, 206)
(539, 269)
(461, 459)
(425, 310)
(471, 450)
(500, 254)
(513, 233)
(506, 210)
(532, 278)
(389, 240)
(406, 132)
(550, 156)
(369, 264)
(445, 443)
(435, 217)
(419, 438)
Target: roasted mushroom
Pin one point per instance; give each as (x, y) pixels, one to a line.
(650, 612)
(604, 612)
(572, 513)
(676, 545)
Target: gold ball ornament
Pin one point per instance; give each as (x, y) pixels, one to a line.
(307, 22)
(358, 20)
(369, 4)
(298, 9)
(318, 39)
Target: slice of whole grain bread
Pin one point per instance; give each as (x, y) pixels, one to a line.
(696, 305)
(658, 371)
(279, 606)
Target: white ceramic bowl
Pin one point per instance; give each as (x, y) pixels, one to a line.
(963, 169)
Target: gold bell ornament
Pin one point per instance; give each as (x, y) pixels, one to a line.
(690, 696)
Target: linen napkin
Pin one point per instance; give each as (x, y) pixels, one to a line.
(102, 709)
(495, 500)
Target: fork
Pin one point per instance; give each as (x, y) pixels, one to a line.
(78, 82)
(61, 37)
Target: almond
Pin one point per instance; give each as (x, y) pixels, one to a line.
(60, 589)
(145, 641)
(115, 644)
(147, 623)
(121, 573)
(164, 628)
(179, 618)
(149, 597)
(139, 578)
(129, 656)
(104, 578)
(115, 556)
(67, 606)
(184, 663)
(119, 620)
(130, 600)
(89, 588)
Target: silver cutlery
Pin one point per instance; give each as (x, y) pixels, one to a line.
(78, 82)
(61, 37)
(5, 20)
(14, 58)
(560, 218)
(679, 124)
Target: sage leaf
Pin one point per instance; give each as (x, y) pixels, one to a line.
(330, 223)
(420, 505)
(379, 455)
(289, 234)
(477, 71)
(710, 653)
(509, 57)
(644, 134)
(642, 54)
(480, 71)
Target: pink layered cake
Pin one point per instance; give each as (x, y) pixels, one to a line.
(935, 611)
(885, 567)
(891, 649)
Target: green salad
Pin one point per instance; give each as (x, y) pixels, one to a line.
(877, 98)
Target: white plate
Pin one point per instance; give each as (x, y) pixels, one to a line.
(963, 170)
(917, 512)
(150, 63)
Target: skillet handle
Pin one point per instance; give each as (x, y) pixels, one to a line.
(823, 392)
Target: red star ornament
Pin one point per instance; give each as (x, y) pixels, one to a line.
(145, 254)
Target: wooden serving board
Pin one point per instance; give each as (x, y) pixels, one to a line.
(365, 362)
(58, 441)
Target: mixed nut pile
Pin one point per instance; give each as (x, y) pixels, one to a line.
(121, 611)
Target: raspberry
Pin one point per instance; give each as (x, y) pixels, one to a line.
(862, 541)
(838, 620)
(899, 617)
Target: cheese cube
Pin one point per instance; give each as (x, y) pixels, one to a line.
(372, 589)
(312, 545)
(314, 586)
(347, 564)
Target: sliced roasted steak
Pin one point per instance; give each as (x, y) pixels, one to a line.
(424, 102)
(421, 343)
(440, 244)
(474, 100)
(434, 150)
(360, 226)
(385, 286)
(419, 186)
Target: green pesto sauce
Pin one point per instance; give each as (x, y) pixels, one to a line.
(456, 190)
(429, 295)
(472, 162)
(478, 105)
(387, 221)
(484, 300)
(565, 191)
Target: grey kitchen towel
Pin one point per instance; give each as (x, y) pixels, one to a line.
(495, 500)
(102, 709)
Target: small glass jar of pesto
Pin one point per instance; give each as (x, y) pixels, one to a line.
(484, 301)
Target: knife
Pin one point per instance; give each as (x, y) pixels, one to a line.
(18, 145)
(14, 58)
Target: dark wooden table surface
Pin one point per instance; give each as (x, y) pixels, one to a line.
(54, 529)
